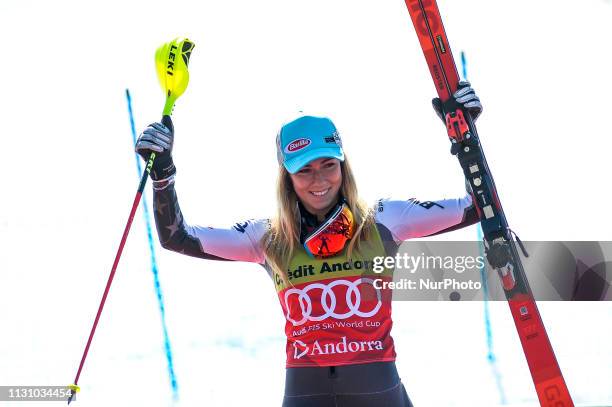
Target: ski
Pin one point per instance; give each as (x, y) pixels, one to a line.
(500, 246)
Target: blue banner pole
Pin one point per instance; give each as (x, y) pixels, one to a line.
(485, 288)
(158, 292)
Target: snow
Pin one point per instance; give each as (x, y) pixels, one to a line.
(69, 181)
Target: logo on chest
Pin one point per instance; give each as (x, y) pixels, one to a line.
(339, 299)
(301, 349)
(307, 270)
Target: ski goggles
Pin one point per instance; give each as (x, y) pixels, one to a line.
(329, 239)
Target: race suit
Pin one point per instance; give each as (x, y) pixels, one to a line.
(334, 314)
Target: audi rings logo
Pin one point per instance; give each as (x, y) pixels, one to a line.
(329, 301)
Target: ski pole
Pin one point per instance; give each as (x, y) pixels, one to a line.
(171, 61)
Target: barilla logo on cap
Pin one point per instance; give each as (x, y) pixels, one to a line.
(297, 145)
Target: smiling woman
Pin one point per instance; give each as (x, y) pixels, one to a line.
(319, 251)
(317, 185)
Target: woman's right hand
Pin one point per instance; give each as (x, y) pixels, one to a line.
(465, 97)
(158, 138)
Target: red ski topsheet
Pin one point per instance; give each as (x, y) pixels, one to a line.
(428, 25)
(545, 371)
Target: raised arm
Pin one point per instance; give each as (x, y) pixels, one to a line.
(174, 233)
(239, 243)
(413, 218)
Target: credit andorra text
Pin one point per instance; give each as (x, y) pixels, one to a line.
(427, 284)
(334, 325)
(332, 348)
(378, 264)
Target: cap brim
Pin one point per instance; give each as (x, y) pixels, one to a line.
(295, 164)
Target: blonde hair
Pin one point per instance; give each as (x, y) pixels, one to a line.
(283, 237)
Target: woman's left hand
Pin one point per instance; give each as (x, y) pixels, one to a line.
(465, 97)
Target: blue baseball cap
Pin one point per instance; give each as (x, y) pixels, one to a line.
(305, 139)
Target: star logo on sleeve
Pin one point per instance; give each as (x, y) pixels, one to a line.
(173, 228)
(160, 206)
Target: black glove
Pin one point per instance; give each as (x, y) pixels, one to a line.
(466, 99)
(158, 138)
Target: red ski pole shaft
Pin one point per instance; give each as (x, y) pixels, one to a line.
(126, 231)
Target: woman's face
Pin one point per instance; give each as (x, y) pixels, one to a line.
(317, 185)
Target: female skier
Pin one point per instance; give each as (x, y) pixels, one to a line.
(319, 250)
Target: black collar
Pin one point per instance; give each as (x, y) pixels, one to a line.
(309, 222)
